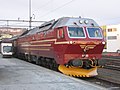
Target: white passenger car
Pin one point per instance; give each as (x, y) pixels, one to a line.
(6, 49)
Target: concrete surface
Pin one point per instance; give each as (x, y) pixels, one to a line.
(16, 74)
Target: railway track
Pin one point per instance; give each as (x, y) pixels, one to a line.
(112, 67)
(103, 82)
(109, 75)
(107, 78)
(112, 62)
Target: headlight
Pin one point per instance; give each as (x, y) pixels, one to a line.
(81, 21)
(103, 42)
(86, 22)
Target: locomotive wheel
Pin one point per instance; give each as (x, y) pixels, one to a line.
(78, 71)
(29, 58)
(51, 66)
(55, 65)
(42, 61)
(34, 59)
(37, 61)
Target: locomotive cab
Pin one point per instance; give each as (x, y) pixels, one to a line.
(80, 43)
(87, 39)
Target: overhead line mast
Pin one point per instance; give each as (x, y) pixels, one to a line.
(30, 18)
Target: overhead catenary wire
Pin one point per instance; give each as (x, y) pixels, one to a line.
(10, 23)
(44, 5)
(16, 26)
(65, 4)
(20, 20)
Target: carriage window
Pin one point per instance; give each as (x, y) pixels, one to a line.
(94, 32)
(7, 49)
(76, 32)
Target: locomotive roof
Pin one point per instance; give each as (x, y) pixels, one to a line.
(6, 40)
(32, 31)
(70, 21)
(67, 21)
(46, 25)
(64, 21)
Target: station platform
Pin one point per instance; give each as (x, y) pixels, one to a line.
(16, 74)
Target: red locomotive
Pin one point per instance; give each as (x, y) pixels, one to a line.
(73, 45)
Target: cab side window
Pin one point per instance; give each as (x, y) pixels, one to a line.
(60, 33)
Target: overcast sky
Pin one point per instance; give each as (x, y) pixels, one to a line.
(103, 11)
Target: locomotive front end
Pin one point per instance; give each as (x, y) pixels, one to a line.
(82, 53)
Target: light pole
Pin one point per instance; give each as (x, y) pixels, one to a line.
(30, 18)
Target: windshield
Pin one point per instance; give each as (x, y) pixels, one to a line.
(7, 49)
(76, 32)
(94, 32)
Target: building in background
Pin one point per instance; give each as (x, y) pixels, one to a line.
(112, 35)
(113, 38)
(105, 35)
